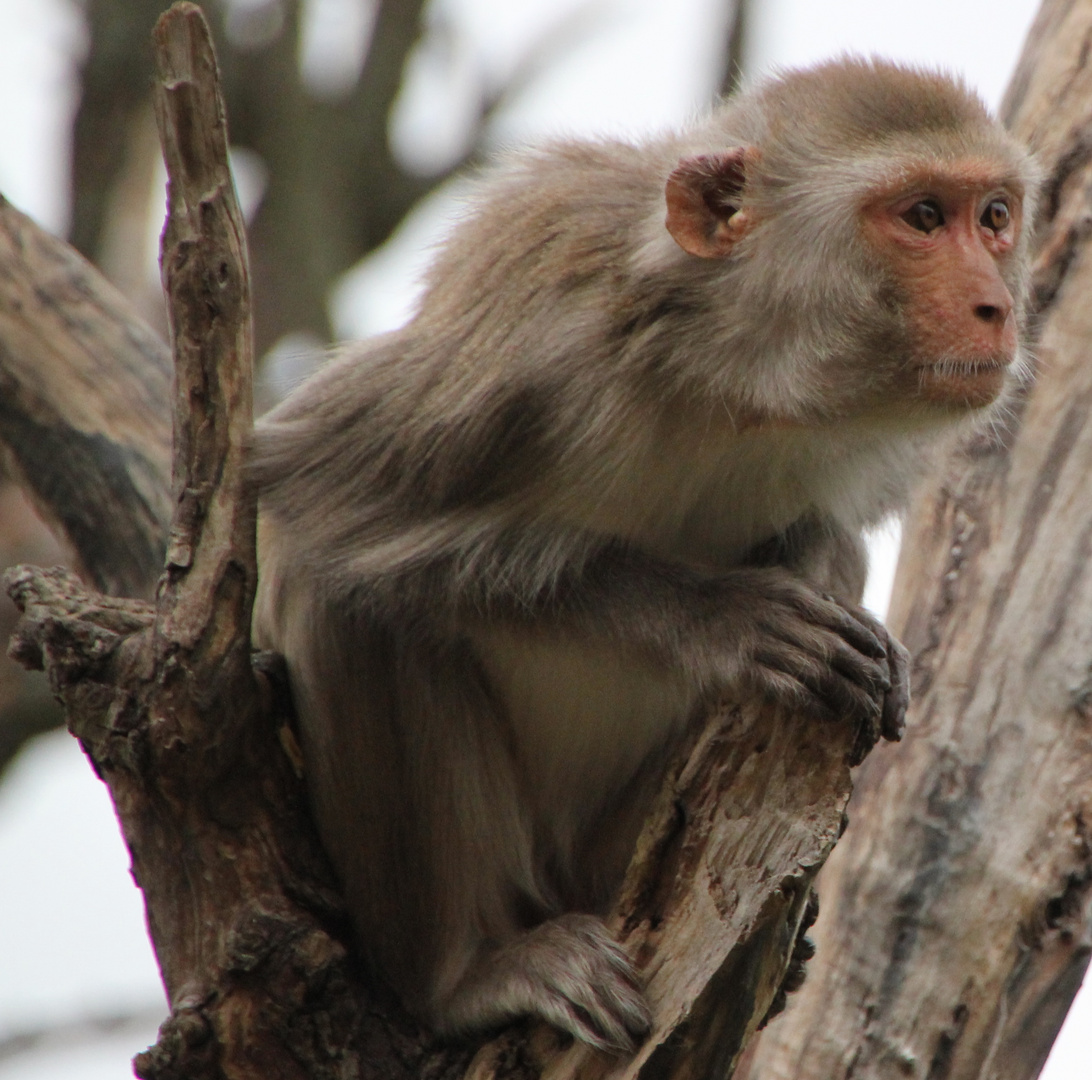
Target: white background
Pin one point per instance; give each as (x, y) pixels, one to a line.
(72, 944)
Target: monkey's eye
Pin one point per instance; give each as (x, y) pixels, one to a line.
(925, 216)
(996, 216)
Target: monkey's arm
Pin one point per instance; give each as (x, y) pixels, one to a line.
(758, 629)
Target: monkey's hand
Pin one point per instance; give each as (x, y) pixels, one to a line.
(809, 650)
(896, 699)
(570, 972)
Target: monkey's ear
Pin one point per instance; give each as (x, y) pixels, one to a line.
(703, 202)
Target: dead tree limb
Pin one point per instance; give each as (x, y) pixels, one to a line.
(84, 430)
(960, 903)
(165, 700)
(186, 729)
(84, 422)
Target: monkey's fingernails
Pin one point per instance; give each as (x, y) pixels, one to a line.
(897, 699)
(893, 723)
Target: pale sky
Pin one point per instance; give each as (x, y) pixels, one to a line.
(72, 940)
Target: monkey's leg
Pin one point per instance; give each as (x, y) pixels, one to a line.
(421, 804)
(485, 872)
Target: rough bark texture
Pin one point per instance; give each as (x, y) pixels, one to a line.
(715, 897)
(84, 419)
(189, 732)
(84, 433)
(960, 903)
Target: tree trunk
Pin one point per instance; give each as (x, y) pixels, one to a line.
(959, 906)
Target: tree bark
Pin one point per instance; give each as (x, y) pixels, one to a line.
(960, 903)
(84, 431)
(190, 734)
(84, 387)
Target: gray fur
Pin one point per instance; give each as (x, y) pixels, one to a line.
(512, 549)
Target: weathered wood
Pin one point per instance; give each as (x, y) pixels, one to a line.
(188, 736)
(959, 906)
(212, 561)
(84, 420)
(714, 899)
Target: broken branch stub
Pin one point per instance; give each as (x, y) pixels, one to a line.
(211, 556)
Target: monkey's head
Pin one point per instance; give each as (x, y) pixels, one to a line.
(872, 218)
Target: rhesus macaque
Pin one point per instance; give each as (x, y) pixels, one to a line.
(617, 468)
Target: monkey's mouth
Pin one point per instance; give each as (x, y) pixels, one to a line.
(972, 382)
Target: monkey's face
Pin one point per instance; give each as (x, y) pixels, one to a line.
(886, 277)
(948, 239)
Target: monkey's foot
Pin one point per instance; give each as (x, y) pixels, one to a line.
(570, 972)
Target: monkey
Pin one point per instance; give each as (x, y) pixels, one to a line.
(616, 470)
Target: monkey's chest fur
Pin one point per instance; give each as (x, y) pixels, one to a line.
(705, 499)
(549, 718)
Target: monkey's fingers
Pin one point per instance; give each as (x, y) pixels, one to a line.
(853, 624)
(799, 679)
(609, 1005)
(897, 699)
(897, 692)
(829, 698)
(871, 675)
(588, 1018)
(609, 1014)
(826, 637)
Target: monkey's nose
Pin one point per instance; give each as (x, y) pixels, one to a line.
(990, 298)
(992, 314)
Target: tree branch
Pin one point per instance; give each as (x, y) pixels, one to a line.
(83, 419)
(212, 562)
